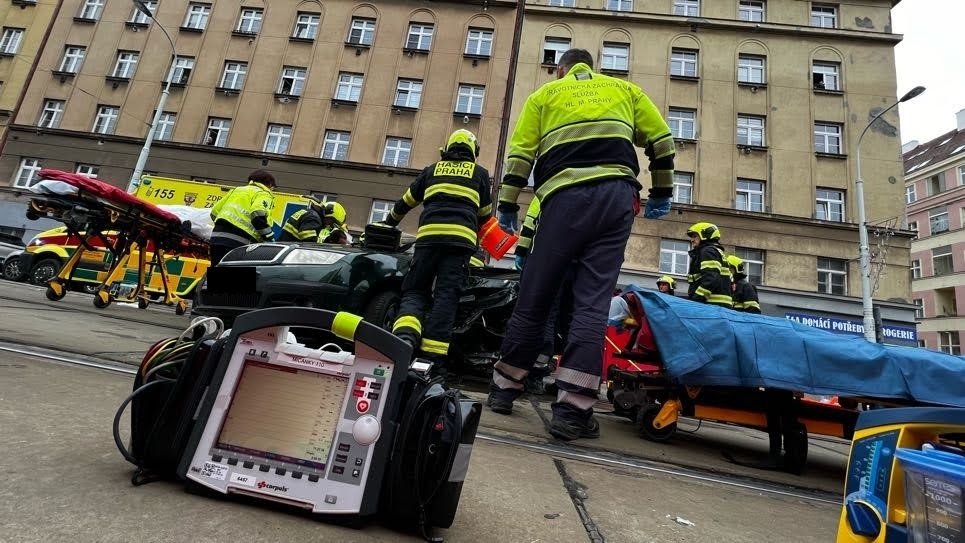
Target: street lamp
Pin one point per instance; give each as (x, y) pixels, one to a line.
(146, 150)
(864, 256)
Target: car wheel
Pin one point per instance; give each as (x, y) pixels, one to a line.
(44, 271)
(382, 309)
(13, 269)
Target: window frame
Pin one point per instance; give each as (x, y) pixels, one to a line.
(255, 21)
(831, 274)
(485, 36)
(298, 77)
(751, 70)
(167, 119)
(615, 48)
(953, 346)
(309, 26)
(336, 143)
(224, 132)
(561, 3)
(683, 179)
(398, 149)
(942, 185)
(680, 56)
(676, 249)
(279, 141)
(420, 35)
(932, 216)
(364, 22)
(350, 85)
(945, 254)
(240, 71)
(76, 61)
(822, 12)
(409, 93)
(188, 68)
(911, 194)
(822, 198)
(754, 259)
(556, 42)
(619, 5)
(683, 8)
(675, 122)
(468, 92)
(91, 10)
(744, 123)
(32, 176)
(385, 207)
(915, 269)
(56, 114)
(92, 172)
(826, 68)
(139, 18)
(197, 20)
(111, 113)
(749, 192)
(752, 7)
(10, 40)
(824, 136)
(129, 64)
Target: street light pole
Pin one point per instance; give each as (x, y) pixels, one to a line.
(864, 255)
(146, 150)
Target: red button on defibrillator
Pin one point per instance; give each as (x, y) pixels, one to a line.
(358, 393)
(362, 406)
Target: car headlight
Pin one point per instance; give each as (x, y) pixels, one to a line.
(311, 256)
(36, 242)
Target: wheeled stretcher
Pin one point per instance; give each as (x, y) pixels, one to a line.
(90, 209)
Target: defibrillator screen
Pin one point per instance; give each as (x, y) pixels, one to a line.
(283, 414)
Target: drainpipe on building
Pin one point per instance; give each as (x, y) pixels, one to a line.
(508, 98)
(30, 74)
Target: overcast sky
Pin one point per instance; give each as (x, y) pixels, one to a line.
(931, 55)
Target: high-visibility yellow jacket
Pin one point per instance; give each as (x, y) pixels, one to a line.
(303, 225)
(243, 213)
(583, 128)
(526, 233)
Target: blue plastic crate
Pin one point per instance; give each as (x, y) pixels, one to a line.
(934, 481)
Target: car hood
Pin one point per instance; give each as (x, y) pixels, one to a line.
(278, 253)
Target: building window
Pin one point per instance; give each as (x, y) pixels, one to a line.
(323, 196)
(916, 269)
(687, 8)
(833, 276)
(419, 38)
(948, 343)
(941, 260)
(938, 220)
(919, 308)
(750, 130)
(910, 194)
(961, 175)
(336, 145)
(165, 126)
(936, 184)
(750, 69)
(470, 99)
(750, 195)
(751, 10)
(562, 3)
(183, 66)
(827, 138)
(913, 225)
(234, 75)
(479, 42)
(10, 42)
(91, 9)
(553, 49)
(292, 81)
(52, 113)
(824, 76)
(125, 64)
(683, 62)
(349, 87)
(306, 26)
(616, 57)
(217, 133)
(408, 93)
(683, 123)
(824, 15)
(87, 170)
(753, 264)
(396, 152)
(250, 20)
(683, 187)
(277, 138)
(139, 18)
(674, 256)
(380, 210)
(829, 205)
(362, 31)
(619, 5)
(73, 59)
(26, 174)
(197, 17)
(106, 120)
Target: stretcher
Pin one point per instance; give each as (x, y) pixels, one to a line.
(671, 357)
(105, 217)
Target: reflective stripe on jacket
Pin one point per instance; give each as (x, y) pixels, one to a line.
(246, 209)
(583, 128)
(525, 243)
(709, 276)
(745, 297)
(303, 225)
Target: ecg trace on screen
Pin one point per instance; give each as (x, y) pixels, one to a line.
(288, 414)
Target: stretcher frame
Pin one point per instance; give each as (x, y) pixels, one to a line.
(139, 225)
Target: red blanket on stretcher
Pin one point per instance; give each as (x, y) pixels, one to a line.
(114, 195)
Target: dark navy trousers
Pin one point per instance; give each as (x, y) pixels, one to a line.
(582, 229)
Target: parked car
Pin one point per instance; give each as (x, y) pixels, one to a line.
(11, 247)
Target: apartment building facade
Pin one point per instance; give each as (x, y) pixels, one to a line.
(345, 100)
(935, 195)
(766, 100)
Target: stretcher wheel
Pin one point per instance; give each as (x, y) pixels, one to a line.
(143, 303)
(55, 291)
(102, 299)
(644, 420)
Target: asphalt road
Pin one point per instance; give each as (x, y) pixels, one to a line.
(61, 464)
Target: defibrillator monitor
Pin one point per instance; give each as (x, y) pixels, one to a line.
(290, 416)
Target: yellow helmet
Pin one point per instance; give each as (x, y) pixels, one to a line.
(704, 230)
(735, 262)
(671, 282)
(335, 211)
(464, 137)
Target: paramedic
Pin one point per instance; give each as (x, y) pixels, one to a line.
(666, 284)
(709, 276)
(333, 224)
(583, 126)
(744, 293)
(242, 217)
(304, 224)
(455, 195)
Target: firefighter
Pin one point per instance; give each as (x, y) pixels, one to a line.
(666, 284)
(333, 224)
(583, 127)
(742, 291)
(242, 216)
(304, 224)
(709, 276)
(455, 198)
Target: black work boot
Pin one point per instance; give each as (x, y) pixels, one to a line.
(570, 423)
(501, 400)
